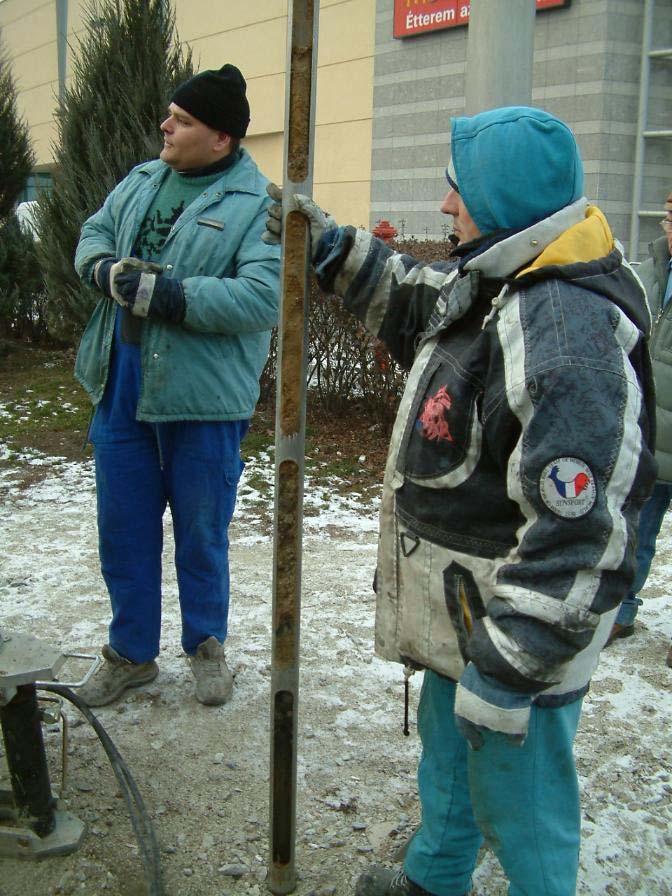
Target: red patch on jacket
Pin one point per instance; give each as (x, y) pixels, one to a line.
(432, 419)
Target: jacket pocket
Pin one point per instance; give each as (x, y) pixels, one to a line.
(204, 247)
(210, 222)
(93, 355)
(443, 431)
(463, 602)
(414, 619)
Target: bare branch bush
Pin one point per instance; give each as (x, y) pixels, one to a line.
(346, 365)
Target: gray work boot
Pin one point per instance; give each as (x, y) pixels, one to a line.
(381, 881)
(214, 682)
(116, 675)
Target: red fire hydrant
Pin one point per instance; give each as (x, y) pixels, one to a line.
(385, 231)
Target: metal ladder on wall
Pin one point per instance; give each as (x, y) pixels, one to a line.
(644, 134)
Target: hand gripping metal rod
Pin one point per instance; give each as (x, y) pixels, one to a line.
(302, 28)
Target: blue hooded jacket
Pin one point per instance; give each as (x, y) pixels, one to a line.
(509, 174)
(530, 355)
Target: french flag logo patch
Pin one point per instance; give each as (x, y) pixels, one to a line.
(567, 487)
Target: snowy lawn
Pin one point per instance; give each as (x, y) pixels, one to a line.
(204, 773)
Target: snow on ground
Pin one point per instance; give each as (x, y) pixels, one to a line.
(204, 772)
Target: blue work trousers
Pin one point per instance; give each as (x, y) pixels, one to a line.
(194, 467)
(650, 522)
(523, 800)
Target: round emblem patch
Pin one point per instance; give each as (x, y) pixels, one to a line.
(567, 487)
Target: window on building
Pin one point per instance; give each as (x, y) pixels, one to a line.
(38, 181)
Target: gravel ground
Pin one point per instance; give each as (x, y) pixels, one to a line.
(204, 772)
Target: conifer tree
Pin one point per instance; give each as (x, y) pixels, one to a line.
(16, 154)
(17, 280)
(125, 67)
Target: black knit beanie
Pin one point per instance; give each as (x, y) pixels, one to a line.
(217, 99)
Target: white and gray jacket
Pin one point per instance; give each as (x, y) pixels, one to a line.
(521, 453)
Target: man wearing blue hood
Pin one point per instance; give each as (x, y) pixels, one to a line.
(519, 461)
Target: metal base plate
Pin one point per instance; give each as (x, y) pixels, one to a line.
(22, 843)
(25, 659)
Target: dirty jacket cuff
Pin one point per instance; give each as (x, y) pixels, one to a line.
(485, 702)
(330, 253)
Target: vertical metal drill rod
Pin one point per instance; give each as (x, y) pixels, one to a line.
(289, 443)
(27, 761)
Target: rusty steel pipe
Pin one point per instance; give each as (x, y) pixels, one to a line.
(302, 22)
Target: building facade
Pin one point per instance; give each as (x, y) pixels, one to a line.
(384, 102)
(41, 36)
(586, 69)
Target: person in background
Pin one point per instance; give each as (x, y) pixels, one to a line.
(518, 464)
(656, 275)
(171, 359)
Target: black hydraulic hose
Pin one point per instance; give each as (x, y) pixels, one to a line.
(142, 825)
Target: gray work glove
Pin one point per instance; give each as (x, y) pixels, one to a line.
(140, 286)
(318, 220)
(107, 270)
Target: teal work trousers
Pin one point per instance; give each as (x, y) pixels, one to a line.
(522, 800)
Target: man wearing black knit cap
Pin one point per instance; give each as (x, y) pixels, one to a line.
(171, 359)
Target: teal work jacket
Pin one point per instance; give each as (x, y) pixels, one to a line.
(208, 367)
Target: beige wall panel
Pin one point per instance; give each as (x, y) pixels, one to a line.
(26, 25)
(344, 92)
(253, 36)
(38, 105)
(267, 151)
(35, 67)
(347, 202)
(340, 179)
(75, 34)
(257, 49)
(198, 18)
(267, 104)
(10, 10)
(347, 31)
(342, 152)
(42, 136)
(75, 16)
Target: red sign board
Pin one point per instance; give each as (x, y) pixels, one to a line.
(413, 17)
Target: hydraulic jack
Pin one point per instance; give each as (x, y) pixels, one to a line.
(31, 825)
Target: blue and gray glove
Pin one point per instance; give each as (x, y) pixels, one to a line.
(318, 220)
(140, 286)
(484, 704)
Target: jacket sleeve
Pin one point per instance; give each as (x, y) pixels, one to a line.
(392, 294)
(98, 238)
(579, 466)
(247, 301)
(647, 274)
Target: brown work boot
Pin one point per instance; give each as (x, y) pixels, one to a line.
(214, 682)
(116, 675)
